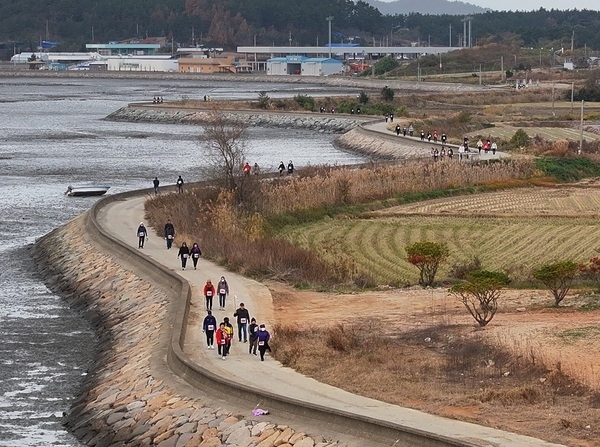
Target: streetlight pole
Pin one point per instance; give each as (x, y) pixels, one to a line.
(329, 19)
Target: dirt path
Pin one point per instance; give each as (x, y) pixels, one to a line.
(526, 325)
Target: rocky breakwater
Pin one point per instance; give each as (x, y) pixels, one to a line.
(170, 115)
(128, 396)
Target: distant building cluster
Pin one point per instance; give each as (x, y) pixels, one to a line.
(158, 54)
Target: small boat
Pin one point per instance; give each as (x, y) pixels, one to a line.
(86, 191)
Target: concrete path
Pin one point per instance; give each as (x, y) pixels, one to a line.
(424, 148)
(122, 218)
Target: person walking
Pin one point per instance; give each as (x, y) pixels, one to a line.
(494, 148)
(155, 183)
(169, 233)
(247, 168)
(209, 325)
(243, 316)
(263, 338)
(290, 168)
(223, 338)
(195, 253)
(398, 129)
(281, 168)
(209, 292)
(411, 130)
(223, 289)
(184, 254)
(142, 234)
(253, 336)
(229, 328)
(179, 184)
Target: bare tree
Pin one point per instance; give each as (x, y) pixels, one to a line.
(225, 150)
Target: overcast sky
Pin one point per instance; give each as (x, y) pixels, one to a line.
(529, 5)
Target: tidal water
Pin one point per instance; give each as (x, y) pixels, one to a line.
(52, 134)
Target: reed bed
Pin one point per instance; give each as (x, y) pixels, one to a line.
(235, 234)
(354, 186)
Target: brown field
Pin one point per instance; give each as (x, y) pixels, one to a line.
(513, 230)
(535, 369)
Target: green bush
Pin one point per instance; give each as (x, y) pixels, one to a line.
(263, 100)
(387, 94)
(568, 169)
(306, 102)
(520, 139)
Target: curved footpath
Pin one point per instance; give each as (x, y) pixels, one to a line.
(359, 133)
(147, 314)
(122, 218)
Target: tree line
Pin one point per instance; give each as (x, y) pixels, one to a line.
(231, 23)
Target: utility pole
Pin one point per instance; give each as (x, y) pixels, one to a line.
(581, 129)
(572, 39)
(450, 38)
(572, 92)
(502, 68)
(329, 19)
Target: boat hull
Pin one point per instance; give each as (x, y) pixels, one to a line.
(87, 191)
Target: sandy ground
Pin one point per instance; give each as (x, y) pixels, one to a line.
(565, 339)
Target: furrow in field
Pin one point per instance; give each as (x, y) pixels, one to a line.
(373, 246)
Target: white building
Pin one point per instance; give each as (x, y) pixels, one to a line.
(304, 66)
(142, 63)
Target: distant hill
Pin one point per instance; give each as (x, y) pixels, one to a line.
(436, 7)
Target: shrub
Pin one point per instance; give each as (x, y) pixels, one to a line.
(263, 100)
(480, 293)
(387, 94)
(342, 338)
(520, 139)
(306, 102)
(427, 256)
(591, 271)
(363, 98)
(460, 269)
(568, 169)
(558, 277)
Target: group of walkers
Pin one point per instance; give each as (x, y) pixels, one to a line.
(179, 182)
(433, 136)
(184, 252)
(282, 168)
(248, 330)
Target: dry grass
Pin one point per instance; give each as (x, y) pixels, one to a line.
(447, 370)
(353, 186)
(234, 235)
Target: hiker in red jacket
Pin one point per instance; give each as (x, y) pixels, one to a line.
(209, 292)
(223, 339)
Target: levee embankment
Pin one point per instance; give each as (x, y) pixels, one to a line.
(133, 393)
(151, 113)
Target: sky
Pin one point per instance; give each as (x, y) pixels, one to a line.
(530, 5)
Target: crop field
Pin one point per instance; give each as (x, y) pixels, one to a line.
(547, 133)
(513, 231)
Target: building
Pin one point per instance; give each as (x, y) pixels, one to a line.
(304, 66)
(160, 63)
(118, 48)
(200, 63)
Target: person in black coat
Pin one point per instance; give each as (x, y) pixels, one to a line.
(253, 336)
(142, 234)
(184, 254)
(169, 233)
(209, 326)
(243, 316)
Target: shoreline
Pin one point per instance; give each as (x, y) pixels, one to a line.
(334, 81)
